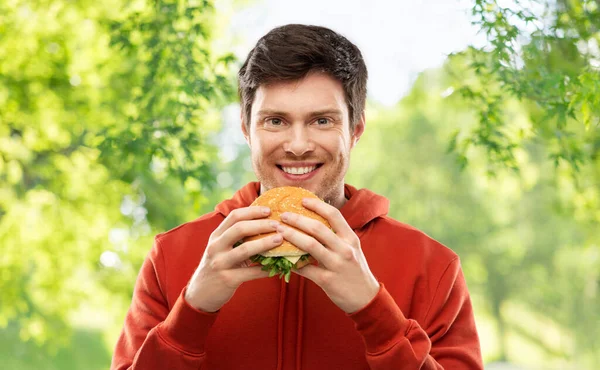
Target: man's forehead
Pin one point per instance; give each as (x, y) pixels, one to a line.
(310, 95)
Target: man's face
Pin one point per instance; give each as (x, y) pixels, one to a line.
(299, 135)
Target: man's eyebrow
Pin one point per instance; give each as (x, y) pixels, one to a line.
(325, 112)
(322, 112)
(271, 112)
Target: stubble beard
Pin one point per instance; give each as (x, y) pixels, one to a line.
(332, 180)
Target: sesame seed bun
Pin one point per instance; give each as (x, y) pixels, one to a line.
(280, 200)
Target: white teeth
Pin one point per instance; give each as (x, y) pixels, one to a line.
(298, 170)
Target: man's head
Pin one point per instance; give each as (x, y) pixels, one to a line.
(289, 53)
(303, 92)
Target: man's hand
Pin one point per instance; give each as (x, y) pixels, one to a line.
(223, 268)
(342, 273)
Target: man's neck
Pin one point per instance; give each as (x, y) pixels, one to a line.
(340, 201)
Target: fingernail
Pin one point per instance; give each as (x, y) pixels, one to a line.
(305, 201)
(274, 224)
(265, 210)
(276, 238)
(280, 228)
(284, 216)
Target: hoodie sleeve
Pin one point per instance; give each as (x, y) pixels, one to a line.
(445, 339)
(154, 337)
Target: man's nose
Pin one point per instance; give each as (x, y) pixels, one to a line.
(298, 140)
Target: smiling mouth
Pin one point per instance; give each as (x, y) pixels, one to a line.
(299, 170)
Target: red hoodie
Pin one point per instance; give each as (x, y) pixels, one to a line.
(421, 318)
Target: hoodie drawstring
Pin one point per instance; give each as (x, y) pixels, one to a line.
(300, 323)
(280, 325)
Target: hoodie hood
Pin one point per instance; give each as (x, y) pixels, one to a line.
(362, 206)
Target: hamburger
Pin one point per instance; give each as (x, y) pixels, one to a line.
(285, 257)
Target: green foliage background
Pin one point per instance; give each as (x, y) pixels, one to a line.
(110, 119)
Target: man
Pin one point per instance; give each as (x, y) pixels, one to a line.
(382, 296)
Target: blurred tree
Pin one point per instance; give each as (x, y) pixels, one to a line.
(105, 113)
(545, 54)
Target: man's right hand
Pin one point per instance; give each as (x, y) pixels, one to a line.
(224, 268)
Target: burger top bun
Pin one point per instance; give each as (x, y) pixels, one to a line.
(280, 200)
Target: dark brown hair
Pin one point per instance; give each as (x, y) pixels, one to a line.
(290, 52)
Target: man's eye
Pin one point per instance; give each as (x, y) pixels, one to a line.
(323, 121)
(274, 121)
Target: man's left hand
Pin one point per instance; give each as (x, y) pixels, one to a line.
(343, 272)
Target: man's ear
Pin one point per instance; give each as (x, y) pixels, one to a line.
(359, 128)
(245, 129)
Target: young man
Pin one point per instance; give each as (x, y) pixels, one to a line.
(383, 295)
